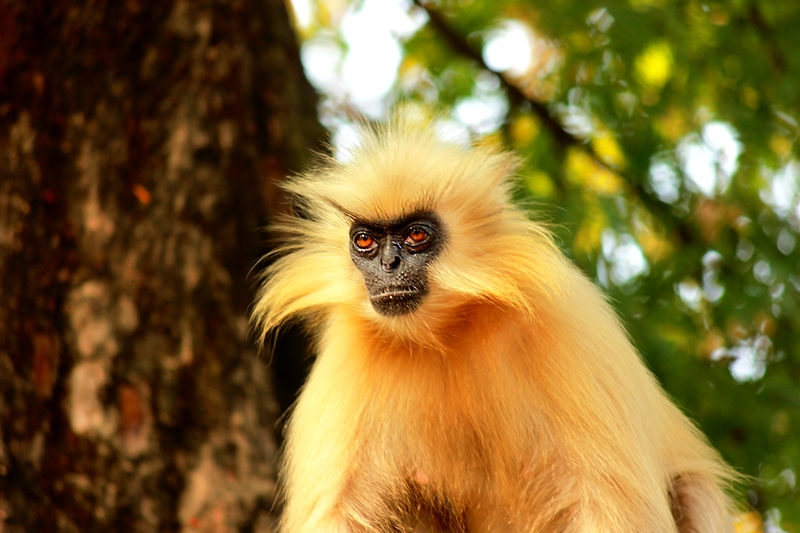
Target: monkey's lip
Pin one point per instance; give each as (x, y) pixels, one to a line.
(397, 301)
(397, 293)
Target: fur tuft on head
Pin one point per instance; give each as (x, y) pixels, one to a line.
(493, 254)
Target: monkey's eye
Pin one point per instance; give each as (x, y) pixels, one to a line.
(417, 235)
(364, 241)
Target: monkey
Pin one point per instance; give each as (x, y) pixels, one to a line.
(468, 377)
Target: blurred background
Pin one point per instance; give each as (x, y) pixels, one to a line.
(141, 149)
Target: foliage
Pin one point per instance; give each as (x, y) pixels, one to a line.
(660, 140)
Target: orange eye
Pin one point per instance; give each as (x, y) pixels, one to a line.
(416, 235)
(364, 240)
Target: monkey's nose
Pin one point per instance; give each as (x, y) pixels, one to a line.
(391, 263)
(390, 259)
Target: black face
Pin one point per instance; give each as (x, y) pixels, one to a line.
(394, 258)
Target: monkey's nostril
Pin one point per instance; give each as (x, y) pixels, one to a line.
(388, 266)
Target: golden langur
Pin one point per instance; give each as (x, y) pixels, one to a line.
(468, 377)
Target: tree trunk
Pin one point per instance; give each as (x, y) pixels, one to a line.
(140, 148)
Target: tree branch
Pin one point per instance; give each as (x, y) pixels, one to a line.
(562, 137)
(765, 31)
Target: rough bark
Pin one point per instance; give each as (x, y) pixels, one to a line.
(140, 147)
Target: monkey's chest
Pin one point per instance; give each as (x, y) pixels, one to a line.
(445, 447)
(439, 470)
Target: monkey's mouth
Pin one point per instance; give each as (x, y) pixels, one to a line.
(395, 301)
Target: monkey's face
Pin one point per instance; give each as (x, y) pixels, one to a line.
(394, 256)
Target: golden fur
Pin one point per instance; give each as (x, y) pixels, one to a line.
(512, 400)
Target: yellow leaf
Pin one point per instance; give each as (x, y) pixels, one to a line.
(583, 170)
(581, 41)
(781, 145)
(644, 5)
(588, 237)
(749, 97)
(654, 246)
(409, 64)
(608, 149)
(524, 130)
(748, 523)
(540, 184)
(654, 65)
(673, 125)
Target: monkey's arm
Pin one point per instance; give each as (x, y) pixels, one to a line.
(319, 453)
(328, 486)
